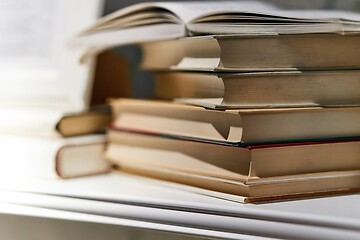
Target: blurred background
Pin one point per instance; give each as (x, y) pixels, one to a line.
(111, 5)
(31, 45)
(142, 83)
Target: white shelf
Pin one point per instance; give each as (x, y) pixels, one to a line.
(124, 200)
(135, 202)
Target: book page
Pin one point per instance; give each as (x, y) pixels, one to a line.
(188, 11)
(313, 14)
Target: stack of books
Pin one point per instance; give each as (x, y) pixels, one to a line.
(264, 102)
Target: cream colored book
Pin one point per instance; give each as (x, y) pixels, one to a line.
(289, 187)
(250, 164)
(261, 89)
(238, 126)
(259, 52)
(305, 187)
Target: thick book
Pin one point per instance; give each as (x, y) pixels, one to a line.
(310, 186)
(169, 20)
(259, 52)
(261, 89)
(82, 123)
(236, 127)
(52, 157)
(250, 164)
(262, 173)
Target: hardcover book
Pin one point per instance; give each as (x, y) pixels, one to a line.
(237, 126)
(260, 173)
(259, 52)
(261, 89)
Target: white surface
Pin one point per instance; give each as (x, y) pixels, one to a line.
(110, 187)
(189, 222)
(125, 197)
(49, 224)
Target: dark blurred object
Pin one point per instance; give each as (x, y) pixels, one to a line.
(142, 82)
(111, 79)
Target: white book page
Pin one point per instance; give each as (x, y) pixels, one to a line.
(314, 14)
(188, 11)
(173, 18)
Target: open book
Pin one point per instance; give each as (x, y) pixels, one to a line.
(168, 20)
